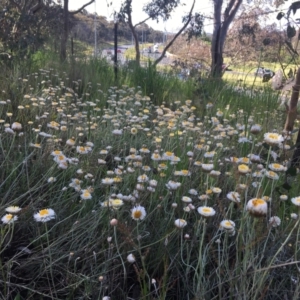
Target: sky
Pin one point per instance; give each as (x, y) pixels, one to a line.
(203, 6)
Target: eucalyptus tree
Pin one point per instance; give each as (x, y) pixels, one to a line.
(222, 18)
(26, 24)
(65, 33)
(155, 10)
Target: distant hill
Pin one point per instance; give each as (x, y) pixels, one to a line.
(83, 29)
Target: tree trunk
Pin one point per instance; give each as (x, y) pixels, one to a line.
(65, 33)
(291, 117)
(220, 32)
(216, 53)
(116, 51)
(216, 56)
(296, 155)
(292, 108)
(136, 40)
(72, 46)
(157, 61)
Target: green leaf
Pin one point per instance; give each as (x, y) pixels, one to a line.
(286, 186)
(280, 15)
(292, 171)
(17, 297)
(291, 31)
(267, 146)
(294, 6)
(294, 146)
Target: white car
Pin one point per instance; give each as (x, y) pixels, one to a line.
(261, 72)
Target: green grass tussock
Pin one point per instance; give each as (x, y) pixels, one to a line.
(147, 187)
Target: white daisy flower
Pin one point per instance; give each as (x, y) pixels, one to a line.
(180, 223)
(206, 211)
(9, 218)
(234, 197)
(257, 207)
(272, 138)
(13, 209)
(274, 221)
(131, 258)
(138, 213)
(44, 215)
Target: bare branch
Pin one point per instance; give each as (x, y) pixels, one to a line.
(17, 5)
(176, 35)
(292, 111)
(228, 8)
(37, 7)
(139, 23)
(231, 14)
(81, 8)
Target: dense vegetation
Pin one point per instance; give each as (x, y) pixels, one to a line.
(140, 188)
(83, 29)
(143, 185)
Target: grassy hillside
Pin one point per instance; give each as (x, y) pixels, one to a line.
(144, 187)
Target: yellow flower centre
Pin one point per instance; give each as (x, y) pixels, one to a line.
(116, 202)
(276, 166)
(44, 212)
(206, 210)
(273, 136)
(258, 202)
(243, 168)
(137, 214)
(117, 179)
(9, 216)
(227, 224)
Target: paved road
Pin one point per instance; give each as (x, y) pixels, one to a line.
(109, 53)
